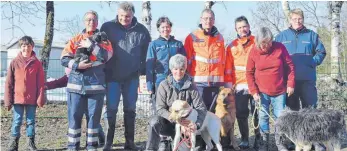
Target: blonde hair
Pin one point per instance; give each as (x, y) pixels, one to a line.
(296, 11)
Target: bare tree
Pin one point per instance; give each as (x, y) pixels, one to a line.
(209, 4)
(47, 43)
(335, 10)
(286, 10)
(17, 13)
(146, 15)
(269, 14)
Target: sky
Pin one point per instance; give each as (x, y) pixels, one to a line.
(184, 15)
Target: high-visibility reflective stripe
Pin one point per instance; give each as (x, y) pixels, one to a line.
(73, 140)
(241, 68)
(208, 78)
(94, 87)
(242, 86)
(228, 71)
(205, 60)
(90, 131)
(92, 139)
(193, 37)
(73, 131)
(74, 86)
(96, 50)
(220, 38)
(71, 62)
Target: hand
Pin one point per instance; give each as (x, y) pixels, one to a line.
(256, 97)
(85, 43)
(84, 65)
(184, 122)
(290, 91)
(8, 108)
(150, 92)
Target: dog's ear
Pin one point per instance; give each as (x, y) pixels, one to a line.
(221, 88)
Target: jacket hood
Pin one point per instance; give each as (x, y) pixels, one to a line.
(214, 31)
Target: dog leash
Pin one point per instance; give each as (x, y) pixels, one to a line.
(186, 138)
(259, 107)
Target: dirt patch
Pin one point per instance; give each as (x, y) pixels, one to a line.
(52, 125)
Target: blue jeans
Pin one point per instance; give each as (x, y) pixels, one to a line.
(277, 102)
(30, 114)
(128, 89)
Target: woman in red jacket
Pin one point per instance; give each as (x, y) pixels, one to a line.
(24, 91)
(270, 75)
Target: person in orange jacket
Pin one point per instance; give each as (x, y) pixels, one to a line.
(209, 64)
(240, 49)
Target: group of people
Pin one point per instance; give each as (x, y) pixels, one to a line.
(280, 71)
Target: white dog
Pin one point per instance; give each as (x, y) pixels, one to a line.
(209, 129)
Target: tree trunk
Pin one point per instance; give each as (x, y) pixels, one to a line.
(47, 43)
(146, 15)
(335, 39)
(209, 4)
(286, 10)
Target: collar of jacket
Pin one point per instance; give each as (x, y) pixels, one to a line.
(31, 58)
(265, 52)
(163, 39)
(303, 29)
(133, 23)
(187, 81)
(89, 33)
(244, 40)
(214, 31)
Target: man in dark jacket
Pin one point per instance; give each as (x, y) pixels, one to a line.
(130, 41)
(307, 52)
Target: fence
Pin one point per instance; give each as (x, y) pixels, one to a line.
(143, 104)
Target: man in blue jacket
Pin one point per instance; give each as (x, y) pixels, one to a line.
(307, 52)
(130, 40)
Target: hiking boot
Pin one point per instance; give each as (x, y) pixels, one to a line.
(31, 144)
(14, 144)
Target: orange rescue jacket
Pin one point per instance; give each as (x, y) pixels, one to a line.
(208, 61)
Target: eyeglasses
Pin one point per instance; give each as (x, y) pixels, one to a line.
(297, 19)
(90, 19)
(207, 18)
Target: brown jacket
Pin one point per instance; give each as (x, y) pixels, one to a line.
(25, 82)
(167, 94)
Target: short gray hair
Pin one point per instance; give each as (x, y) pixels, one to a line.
(264, 33)
(91, 12)
(210, 11)
(296, 11)
(127, 6)
(178, 61)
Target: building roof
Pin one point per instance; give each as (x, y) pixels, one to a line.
(59, 45)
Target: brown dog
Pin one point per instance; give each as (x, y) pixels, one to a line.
(226, 111)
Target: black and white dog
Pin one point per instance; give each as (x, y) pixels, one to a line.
(309, 126)
(84, 53)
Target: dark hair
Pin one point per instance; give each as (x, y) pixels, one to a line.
(163, 19)
(26, 40)
(240, 19)
(127, 6)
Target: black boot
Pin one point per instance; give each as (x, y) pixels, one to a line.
(101, 136)
(165, 144)
(109, 129)
(129, 133)
(264, 143)
(257, 139)
(31, 144)
(244, 130)
(280, 142)
(14, 144)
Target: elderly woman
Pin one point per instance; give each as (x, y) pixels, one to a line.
(177, 85)
(270, 75)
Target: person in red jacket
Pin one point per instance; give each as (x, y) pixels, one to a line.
(24, 91)
(270, 75)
